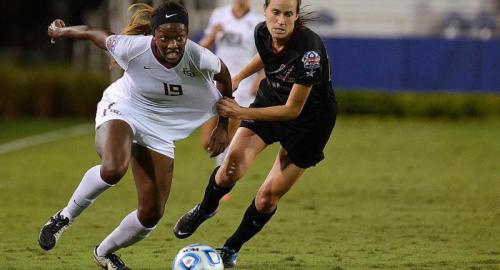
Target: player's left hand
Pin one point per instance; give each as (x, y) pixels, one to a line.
(228, 107)
(219, 140)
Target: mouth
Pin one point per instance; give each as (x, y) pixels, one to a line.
(279, 30)
(171, 54)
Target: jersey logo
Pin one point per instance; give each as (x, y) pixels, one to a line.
(111, 43)
(168, 16)
(310, 73)
(188, 72)
(311, 60)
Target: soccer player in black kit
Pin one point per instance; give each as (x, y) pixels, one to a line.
(295, 105)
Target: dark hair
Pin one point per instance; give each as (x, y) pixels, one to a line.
(170, 5)
(158, 17)
(303, 19)
(140, 22)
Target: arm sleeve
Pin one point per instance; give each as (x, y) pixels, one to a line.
(124, 48)
(309, 68)
(258, 38)
(209, 62)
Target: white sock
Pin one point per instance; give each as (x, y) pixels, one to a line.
(85, 194)
(129, 231)
(220, 158)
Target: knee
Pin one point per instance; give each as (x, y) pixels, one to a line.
(112, 172)
(226, 180)
(266, 201)
(232, 170)
(150, 216)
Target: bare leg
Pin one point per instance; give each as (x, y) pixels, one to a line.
(283, 175)
(153, 178)
(113, 143)
(243, 150)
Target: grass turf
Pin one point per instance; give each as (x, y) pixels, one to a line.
(391, 194)
(20, 128)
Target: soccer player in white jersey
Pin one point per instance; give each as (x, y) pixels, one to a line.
(166, 92)
(230, 29)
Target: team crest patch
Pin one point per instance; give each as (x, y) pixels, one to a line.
(111, 43)
(311, 60)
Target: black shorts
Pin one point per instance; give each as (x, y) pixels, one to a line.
(304, 145)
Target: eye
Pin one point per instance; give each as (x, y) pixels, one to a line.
(275, 12)
(179, 39)
(289, 14)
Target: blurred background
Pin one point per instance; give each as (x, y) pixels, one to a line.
(395, 49)
(410, 178)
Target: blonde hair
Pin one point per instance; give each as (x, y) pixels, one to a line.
(139, 24)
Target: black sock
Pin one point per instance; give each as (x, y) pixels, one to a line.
(252, 223)
(213, 194)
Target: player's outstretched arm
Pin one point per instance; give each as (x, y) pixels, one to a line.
(58, 29)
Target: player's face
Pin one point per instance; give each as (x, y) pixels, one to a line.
(242, 3)
(170, 40)
(280, 17)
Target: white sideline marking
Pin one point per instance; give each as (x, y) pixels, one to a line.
(45, 138)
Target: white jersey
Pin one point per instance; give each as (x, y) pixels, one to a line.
(171, 103)
(235, 45)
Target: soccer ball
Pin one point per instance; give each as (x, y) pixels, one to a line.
(197, 257)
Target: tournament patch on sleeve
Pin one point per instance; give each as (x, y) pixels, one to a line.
(111, 43)
(311, 60)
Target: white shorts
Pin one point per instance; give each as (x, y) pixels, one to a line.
(144, 129)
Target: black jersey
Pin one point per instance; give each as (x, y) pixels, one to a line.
(304, 61)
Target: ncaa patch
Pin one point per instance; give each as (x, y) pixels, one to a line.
(311, 60)
(111, 43)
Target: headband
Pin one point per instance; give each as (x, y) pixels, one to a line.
(170, 16)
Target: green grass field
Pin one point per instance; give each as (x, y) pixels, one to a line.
(391, 194)
(14, 129)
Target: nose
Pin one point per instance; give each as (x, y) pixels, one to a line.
(172, 44)
(281, 20)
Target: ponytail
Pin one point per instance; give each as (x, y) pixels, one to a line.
(305, 16)
(140, 22)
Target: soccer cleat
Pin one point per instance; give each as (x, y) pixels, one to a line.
(52, 230)
(109, 262)
(229, 257)
(188, 223)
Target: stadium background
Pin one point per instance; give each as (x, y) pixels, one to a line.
(411, 179)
